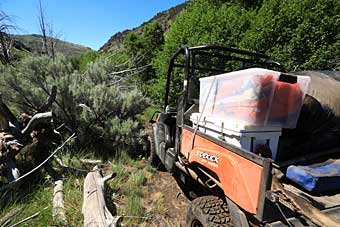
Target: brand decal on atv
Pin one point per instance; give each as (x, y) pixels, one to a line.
(209, 157)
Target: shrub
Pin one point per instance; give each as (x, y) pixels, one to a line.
(99, 108)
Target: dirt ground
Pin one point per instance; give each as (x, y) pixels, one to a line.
(165, 201)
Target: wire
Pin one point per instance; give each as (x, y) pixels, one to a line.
(36, 168)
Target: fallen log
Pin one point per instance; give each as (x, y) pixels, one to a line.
(95, 211)
(58, 210)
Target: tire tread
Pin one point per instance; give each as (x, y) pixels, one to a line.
(214, 210)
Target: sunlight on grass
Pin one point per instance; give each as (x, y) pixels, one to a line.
(73, 199)
(138, 179)
(126, 189)
(133, 191)
(148, 112)
(33, 202)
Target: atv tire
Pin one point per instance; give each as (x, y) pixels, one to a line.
(208, 211)
(153, 159)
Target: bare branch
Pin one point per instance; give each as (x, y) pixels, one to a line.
(51, 98)
(6, 42)
(36, 119)
(43, 29)
(129, 70)
(12, 183)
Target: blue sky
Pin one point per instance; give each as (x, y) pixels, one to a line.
(87, 22)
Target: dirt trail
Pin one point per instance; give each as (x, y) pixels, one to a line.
(164, 200)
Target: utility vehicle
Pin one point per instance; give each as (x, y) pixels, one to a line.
(242, 187)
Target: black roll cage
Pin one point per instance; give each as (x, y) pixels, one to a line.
(222, 52)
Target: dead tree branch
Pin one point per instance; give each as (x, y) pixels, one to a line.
(12, 183)
(43, 28)
(51, 98)
(95, 211)
(129, 70)
(36, 119)
(49, 38)
(6, 42)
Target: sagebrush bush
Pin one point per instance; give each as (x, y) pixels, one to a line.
(99, 108)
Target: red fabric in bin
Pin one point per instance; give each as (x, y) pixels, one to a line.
(272, 100)
(286, 100)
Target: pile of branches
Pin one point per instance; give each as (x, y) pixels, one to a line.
(16, 134)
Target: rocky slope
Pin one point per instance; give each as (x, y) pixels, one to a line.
(116, 42)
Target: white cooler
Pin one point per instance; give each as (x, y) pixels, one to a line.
(238, 134)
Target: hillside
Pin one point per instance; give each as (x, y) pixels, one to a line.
(163, 18)
(33, 43)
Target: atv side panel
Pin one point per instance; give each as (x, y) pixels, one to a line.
(240, 177)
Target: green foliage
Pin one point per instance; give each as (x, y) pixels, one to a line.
(134, 206)
(148, 113)
(133, 44)
(299, 34)
(73, 199)
(138, 178)
(119, 57)
(87, 57)
(133, 191)
(143, 48)
(101, 110)
(38, 200)
(147, 43)
(203, 22)
(152, 38)
(128, 183)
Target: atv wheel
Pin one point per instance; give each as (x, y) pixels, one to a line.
(208, 211)
(153, 159)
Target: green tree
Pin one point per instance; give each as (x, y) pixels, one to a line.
(133, 44)
(87, 57)
(300, 34)
(203, 22)
(152, 39)
(142, 49)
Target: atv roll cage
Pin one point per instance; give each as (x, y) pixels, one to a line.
(223, 55)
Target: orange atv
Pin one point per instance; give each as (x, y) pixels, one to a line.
(234, 178)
